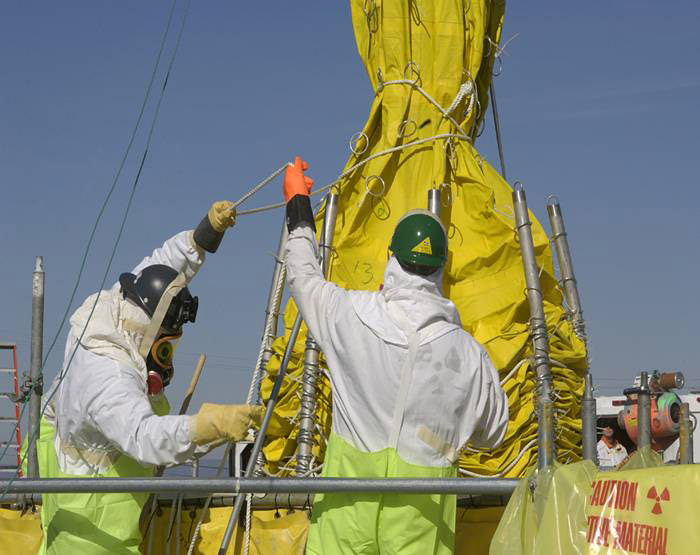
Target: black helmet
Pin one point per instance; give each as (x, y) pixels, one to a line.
(147, 288)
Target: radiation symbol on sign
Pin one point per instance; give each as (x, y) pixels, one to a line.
(424, 247)
(665, 496)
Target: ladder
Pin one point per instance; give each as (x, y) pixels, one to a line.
(8, 367)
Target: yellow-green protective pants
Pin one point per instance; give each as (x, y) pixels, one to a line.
(90, 523)
(386, 524)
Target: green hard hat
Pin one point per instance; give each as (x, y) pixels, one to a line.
(420, 240)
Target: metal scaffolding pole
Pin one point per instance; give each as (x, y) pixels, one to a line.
(685, 436)
(573, 300)
(263, 501)
(307, 419)
(242, 486)
(35, 378)
(257, 446)
(272, 310)
(538, 330)
(644, 412)
(589, 420)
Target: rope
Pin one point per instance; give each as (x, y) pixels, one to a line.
(351, 169)
(259, 186)
(205, 508)
(524, 450)
(267, 335)
(249, 502)
(64, 371)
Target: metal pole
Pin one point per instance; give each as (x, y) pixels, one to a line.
(268, 500)
(538, 329)
(589, 419)
(35, 368)
(566, 267)
(434, 201)
(573, 300)
(685, 450)
(307, 410)
(497, 125)
(644, 413)
(257, 446)
(272, 310)
(242, 486)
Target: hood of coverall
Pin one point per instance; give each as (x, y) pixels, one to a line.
(407, 304)
(106, 334)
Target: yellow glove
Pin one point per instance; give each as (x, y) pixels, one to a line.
(210, 230)
(223, 422)
(222, 215)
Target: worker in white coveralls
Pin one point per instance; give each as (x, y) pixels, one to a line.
(610, 451)
(109, 415)
(410, 386)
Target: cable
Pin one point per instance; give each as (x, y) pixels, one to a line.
(64, 371)
(112, 188)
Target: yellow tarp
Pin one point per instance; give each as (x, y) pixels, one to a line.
(574, 510)
(19, 534)
(442, 46)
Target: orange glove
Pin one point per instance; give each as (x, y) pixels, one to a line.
(295, 182)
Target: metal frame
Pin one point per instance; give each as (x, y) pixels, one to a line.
(538, 330)
(309, 391)
(238, 486)
(573, 300)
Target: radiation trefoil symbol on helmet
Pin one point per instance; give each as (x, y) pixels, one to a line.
(652, 494)
(424, 247)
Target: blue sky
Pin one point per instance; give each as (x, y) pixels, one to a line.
(598, 104)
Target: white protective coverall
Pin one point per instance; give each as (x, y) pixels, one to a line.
(410, 388)
(610, 455)
(105, 422)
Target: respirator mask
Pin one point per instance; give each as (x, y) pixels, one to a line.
(174, 307)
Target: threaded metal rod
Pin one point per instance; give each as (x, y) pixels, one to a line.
(309, 388)
(538, 330)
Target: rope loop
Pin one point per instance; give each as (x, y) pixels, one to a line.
(368, 188)
(407, 128)
(412, 69)
(355, 141)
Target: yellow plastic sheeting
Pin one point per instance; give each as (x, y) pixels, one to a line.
(576, 510)
(272, 533)
(19, 534)
(441, 45)
(475, 528)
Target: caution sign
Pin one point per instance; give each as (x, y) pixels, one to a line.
(575, 510)
(424, 247)
(650, 511)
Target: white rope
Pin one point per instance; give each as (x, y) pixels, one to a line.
(359, 165)
(524, 450)
(514, 370)
(197, 528)
(413, 84)
(249, 502)
(259, 186)
(267, 337)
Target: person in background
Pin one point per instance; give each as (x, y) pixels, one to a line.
(610, 451)
(107, 414)
(410, 386)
